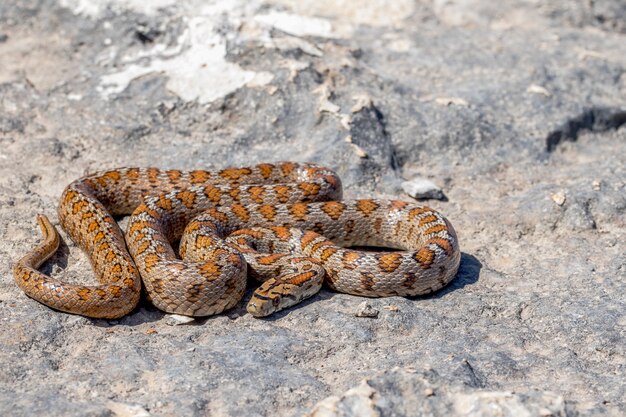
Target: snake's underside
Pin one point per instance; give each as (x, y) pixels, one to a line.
(283, 223)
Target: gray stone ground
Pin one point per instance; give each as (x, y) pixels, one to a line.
(516, 109)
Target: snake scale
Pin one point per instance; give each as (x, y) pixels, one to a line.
(284, 223)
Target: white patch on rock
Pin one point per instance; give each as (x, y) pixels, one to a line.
(297, 25)
(196, 65)
(260, 79)
(84, 7)
(199, 71)
(94, 9)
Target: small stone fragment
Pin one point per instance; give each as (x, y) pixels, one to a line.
(366, 310)
(392, 308)
(559, 198)
(345, 121)
(428, 392)
(177, 319)
(421, 188)
(325, 105)
(152, 330)
(362, 101)
(293, 66)
(360, 152)
(596, 185)
(537, 89)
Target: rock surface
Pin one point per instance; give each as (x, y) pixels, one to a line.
(505, 105)
(409, 392)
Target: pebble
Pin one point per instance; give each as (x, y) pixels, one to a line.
(177, 319)
(596, 185)
(421, 188)
(559, 198)
(537, 89)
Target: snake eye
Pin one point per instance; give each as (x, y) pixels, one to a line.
(275, 301)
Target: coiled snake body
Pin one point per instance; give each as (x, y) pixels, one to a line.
(284, 220)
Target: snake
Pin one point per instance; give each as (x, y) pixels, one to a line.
(194, 237)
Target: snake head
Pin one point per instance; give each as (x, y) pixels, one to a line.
(285, 290)
(262, 305)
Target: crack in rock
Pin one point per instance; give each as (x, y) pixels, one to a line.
(594, 119)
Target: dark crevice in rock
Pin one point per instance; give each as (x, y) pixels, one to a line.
(146, 35)
(137, 133)
(594, 119)
(368, 131)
